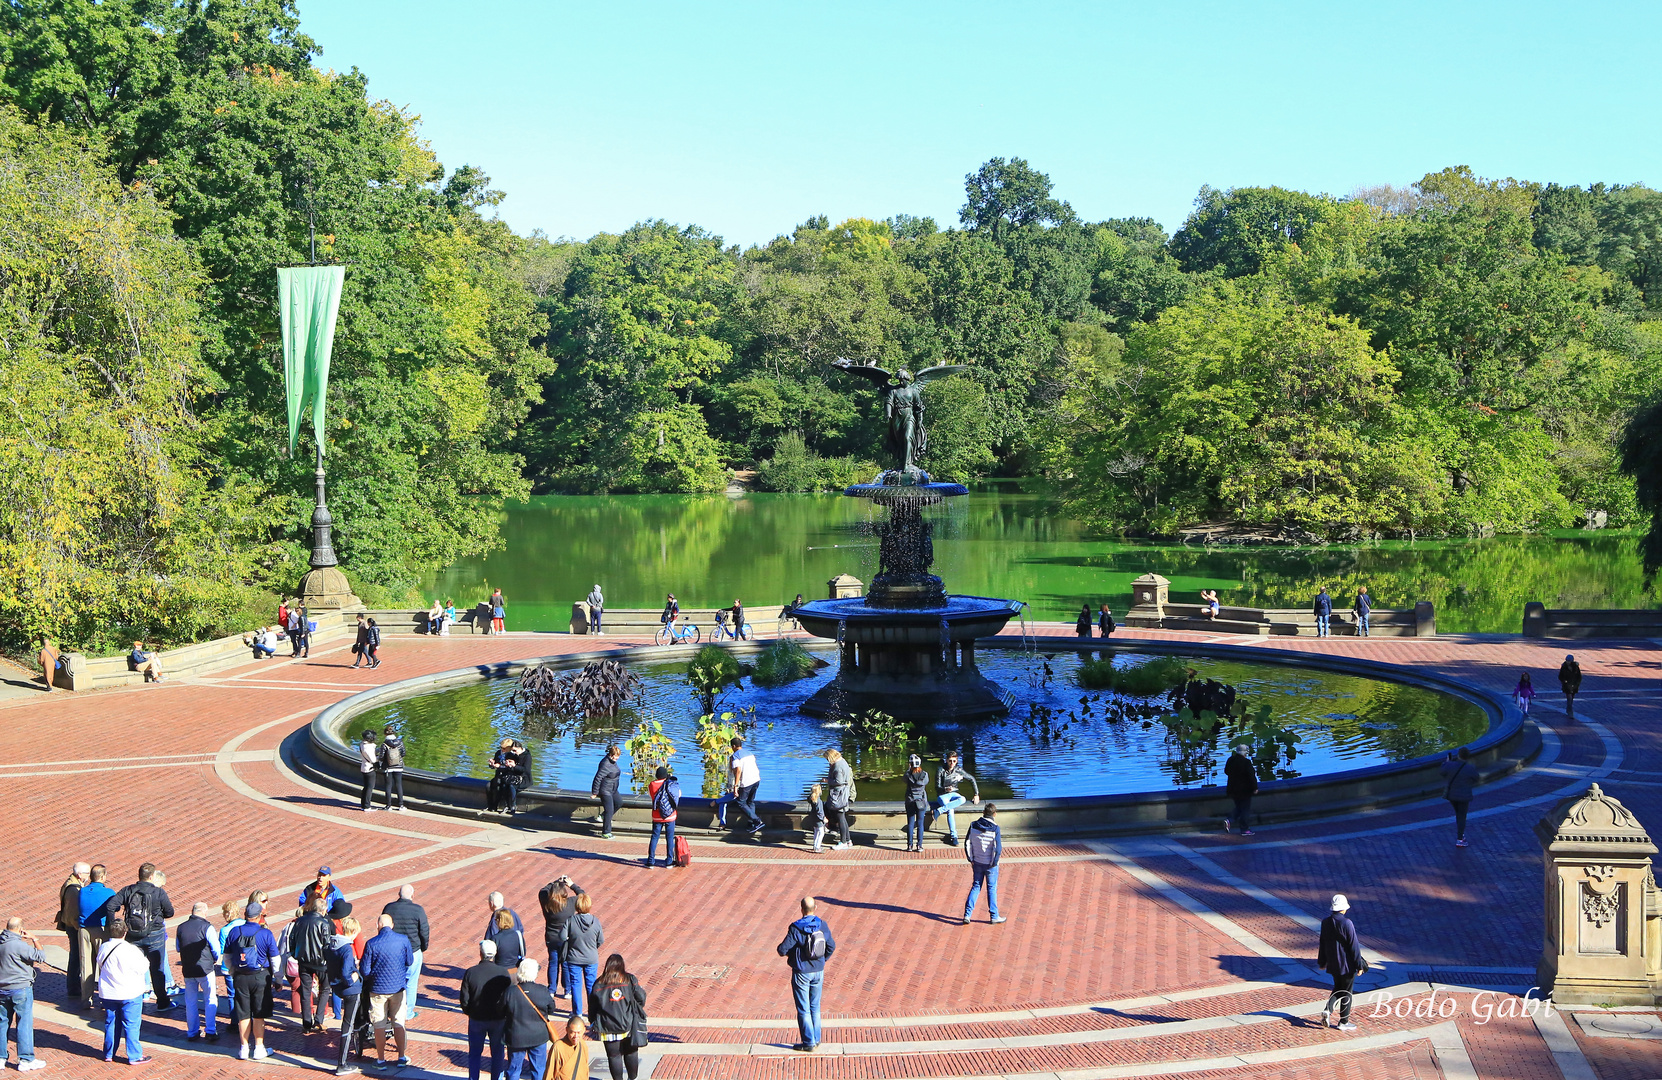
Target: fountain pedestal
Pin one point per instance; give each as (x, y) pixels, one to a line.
(907, 647)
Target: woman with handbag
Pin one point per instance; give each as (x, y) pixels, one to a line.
(617, 1009)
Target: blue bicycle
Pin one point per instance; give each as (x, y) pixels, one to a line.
(679, 633)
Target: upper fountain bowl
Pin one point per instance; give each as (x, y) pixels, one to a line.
(892, 494)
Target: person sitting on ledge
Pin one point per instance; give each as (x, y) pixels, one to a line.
(147, 662)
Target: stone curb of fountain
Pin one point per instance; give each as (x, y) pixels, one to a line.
(318, 753)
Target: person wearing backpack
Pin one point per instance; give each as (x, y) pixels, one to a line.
(309, 939)
(392, 766)
(807, 946)
(147, 910)
(665, 793)
(983, 846)
(917, 802)
(1461, 779)
(251, 948)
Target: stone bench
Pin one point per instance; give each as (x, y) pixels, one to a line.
(81, 672)
(1539, 621)
(415, 622)
(644, 621)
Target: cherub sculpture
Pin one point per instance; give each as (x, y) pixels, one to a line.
(903, 405)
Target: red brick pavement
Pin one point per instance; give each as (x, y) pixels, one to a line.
(1081, 931)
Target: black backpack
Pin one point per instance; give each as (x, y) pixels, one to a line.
(141, 913)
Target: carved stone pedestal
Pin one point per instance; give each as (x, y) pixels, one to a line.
(1598, 883)
(1148, 602)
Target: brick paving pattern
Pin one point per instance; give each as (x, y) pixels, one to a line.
(184, 775)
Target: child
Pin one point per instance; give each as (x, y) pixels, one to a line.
(816, 814)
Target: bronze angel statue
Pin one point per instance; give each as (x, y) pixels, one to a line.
(903, 405)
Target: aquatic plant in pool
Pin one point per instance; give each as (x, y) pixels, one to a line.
(1060, 738)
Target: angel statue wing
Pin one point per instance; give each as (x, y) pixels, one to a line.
(881, 376)
(939, 371)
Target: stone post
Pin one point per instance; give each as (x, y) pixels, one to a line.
(1535, 619)
(1148, 602)
(844, 587)
(1597, 891)
(325, 587)
(1425, 619)
(580, 617)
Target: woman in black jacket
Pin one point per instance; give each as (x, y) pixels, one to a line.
(1082, 626)
(510, 943)
(917, 802)
(517, 775)
(617, 1011)
(1242, 779)
(604, 788)
(559, 903)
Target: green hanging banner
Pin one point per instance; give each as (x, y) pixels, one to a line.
(308, 300)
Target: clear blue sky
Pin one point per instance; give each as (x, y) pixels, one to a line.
(748, 118)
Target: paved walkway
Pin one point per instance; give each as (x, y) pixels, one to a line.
(1186, 955)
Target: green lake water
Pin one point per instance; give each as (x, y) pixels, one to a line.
(999, 541)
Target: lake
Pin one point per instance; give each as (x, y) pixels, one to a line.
(999, 541)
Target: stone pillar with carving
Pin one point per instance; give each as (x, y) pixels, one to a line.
(1148, 602)
(1598, 881)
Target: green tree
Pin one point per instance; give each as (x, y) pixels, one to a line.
(1234, 231)
(109, 527)
(960, 426)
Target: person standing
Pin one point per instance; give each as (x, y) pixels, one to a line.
(1323, 610)
(617, 1009)
(410, 919)
(1523, 695)
(516, 775)
(983, 846)
(498, 903)
(499, 614)
(1082, 625)
(198, 943)
(484, 1001)
(558, 900)
(1569, 680)
(525, 1028)
(19, 953)
(816, 814)
(322, 886)
(1240, 784)
(807, 946)
(369, 761)
(665, 793)
(147, 910)
(745, 777)
(1461, 777)
(508, 938)
(372, 644)
(1362, 608)
(1340, 955)
(584, 936)
(309, 939)
(384, 967)
(741, 629)
(392, 767)
(69, 921)
(839, 796)
(597, 608)
(50, 661)
(1105, 621)
(917, 802)
(295, 626)
(93, 905)
(251, 948)
(604, 788)
(360, 646)
(947, 779)
(121, 969)
(347, 987)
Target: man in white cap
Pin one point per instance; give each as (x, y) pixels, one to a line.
(1340, 955)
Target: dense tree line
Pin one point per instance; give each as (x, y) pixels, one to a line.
(1456, 357)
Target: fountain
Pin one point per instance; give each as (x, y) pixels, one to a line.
(907, 647)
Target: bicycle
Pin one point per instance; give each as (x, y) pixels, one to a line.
(680, 633)
(725, 631)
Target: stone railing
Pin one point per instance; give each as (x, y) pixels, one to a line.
(82, 672)
(1539, 621)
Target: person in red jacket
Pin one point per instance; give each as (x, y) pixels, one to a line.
(665, 793)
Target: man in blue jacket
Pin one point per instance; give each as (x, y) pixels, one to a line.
(983, 846)
(807, 946)
(1323, 610)
(383, 970)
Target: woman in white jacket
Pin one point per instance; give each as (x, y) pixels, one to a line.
(369, 761)
(123, 979)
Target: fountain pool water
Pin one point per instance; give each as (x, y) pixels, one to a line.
(1059, 739)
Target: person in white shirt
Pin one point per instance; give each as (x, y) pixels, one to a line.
(123, 977)
(745, 777)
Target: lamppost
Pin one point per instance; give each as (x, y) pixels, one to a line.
(308, 299)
